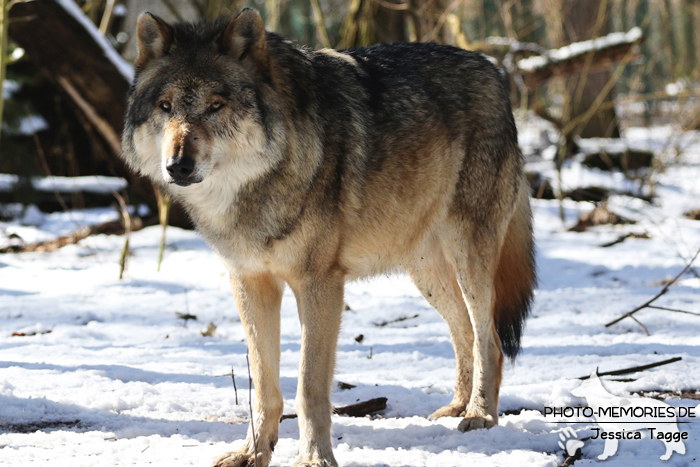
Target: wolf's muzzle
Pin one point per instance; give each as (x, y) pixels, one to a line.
(181, 170)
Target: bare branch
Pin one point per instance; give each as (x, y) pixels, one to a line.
(673, 309)
(641, 324)
(235, 390)
(635, 369)
(662, 292)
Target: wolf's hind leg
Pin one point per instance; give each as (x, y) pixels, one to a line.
(258, 300)
(475, 257)
(436, 280)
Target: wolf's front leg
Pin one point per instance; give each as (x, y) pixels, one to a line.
(320, 303)
(258, 299)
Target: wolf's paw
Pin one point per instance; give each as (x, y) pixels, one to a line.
(242, 459)
(450, 410)
(475, 423)
(234, 459)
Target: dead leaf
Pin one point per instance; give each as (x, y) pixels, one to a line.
(211, 329)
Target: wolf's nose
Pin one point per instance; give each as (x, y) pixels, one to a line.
(180, 168)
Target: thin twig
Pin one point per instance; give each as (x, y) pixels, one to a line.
(663, 291)
(673, 309)
(250, 403)
(669, 241)
(635, 369)
(164, 216)
(105, 130)
(397, 320)
(235, 390)
(127, 233)
(691, 269)
(619, 239)
(570, 460)
(441, 21)
(581, 120)
(50, 178)
(45, 167)
(641, 324)
(107, 16)
(580, 86)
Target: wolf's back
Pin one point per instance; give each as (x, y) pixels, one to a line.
(470, 97)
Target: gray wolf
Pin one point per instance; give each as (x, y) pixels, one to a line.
(312, 168)
(620, 426)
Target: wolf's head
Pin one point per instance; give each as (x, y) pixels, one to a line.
(196, 102)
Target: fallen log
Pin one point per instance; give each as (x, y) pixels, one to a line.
(115, 227)
(69, 49)
(573, 58)
(362, 408)
(353, 410)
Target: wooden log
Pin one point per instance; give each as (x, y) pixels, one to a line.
(353, 410)
(69, 50)
(115, 227)
(605, 55)
(362, 408)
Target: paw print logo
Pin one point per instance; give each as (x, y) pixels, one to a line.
(572, 445)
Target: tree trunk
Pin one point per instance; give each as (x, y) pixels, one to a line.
(580, 17)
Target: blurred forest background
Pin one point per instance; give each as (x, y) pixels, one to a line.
(632, 63)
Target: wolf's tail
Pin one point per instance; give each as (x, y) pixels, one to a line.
(516, 277)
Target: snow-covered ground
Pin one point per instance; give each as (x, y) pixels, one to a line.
(97, 371)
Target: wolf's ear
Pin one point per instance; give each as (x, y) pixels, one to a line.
(154, 37)
(244, 40)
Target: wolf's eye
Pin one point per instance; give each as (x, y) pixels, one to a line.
(166, 106)
(216, 105)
